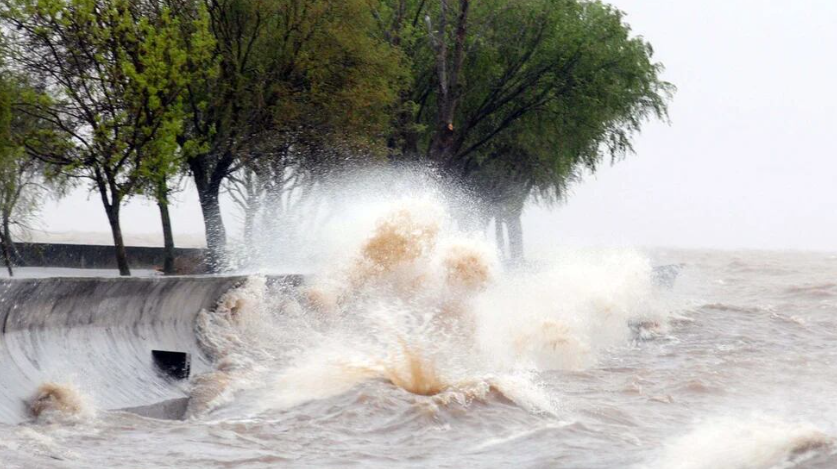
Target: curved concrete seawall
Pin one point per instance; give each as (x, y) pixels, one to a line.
(98, 334)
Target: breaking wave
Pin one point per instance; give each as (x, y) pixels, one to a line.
(60, 403)
(752, 443)
(423, 306)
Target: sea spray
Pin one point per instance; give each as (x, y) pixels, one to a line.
(231, 335)
(562, 314)
(60, 403)
(755, 442)
(421, 305)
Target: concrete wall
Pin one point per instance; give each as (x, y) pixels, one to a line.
(99, 333)
(85, 256)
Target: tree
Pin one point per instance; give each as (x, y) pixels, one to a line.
(289, 72)
(448, 74)
(21, 178)
(163, 167)
(608, 88)
(18, 185)
(11, 177)
(533, 91)
(156, 183)
(114, 72)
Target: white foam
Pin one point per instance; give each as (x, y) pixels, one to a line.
(420, 304)
(742, 443)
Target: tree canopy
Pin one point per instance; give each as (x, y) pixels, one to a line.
(113, 72)
(513, 100)
(298, 82)
(22, 179)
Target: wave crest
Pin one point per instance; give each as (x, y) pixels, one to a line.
(427, 308)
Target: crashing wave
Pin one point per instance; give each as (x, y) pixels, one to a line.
(749, 443)
(60, 402)
(426, 308)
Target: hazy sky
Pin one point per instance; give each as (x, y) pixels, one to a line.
(748, 161)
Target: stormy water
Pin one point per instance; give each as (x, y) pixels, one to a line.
(412, 344)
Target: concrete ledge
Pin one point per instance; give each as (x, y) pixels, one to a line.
(98, 333)
(87, 256)
(173, 409)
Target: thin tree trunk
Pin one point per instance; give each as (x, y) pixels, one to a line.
(500, 236)
(515, 228)
(17, 257)
(118, 243)
(7, 259)
(168, 236)
(111, 201)
(273, 210)
(253, 189)
(6, 242)
(249, 223)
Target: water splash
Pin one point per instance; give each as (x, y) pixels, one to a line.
(423, 306)
(231, 335)
(743, 443)
(60, 403)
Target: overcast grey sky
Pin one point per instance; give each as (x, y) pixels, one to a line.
(748, 160)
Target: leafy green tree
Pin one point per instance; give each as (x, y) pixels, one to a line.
(114, 72)
(532, 92)
(13, 176)
(19, 189)
(291, 75)
(156, 176)
(23, 183)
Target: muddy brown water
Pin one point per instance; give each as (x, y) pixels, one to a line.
(735, 369)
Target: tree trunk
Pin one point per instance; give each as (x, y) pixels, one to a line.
(515, 228)
(500, 236)
(168, 236)
(216, 235)
(209, 188)
(118, 243)
(17, 257)
(6, 244)
(250, 224)
(443, 145)
(112, 203)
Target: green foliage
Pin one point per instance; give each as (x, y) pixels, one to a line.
(548, 87)
(113, 72)
(177, 53)
(112, 76)
(307, 84)
(294, 72)
(21, 178)
(527, 94)
(10, 154)
(599, 87)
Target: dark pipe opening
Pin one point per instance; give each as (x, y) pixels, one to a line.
(173, 364)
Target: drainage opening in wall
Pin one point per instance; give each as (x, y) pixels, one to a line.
(172, 364)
